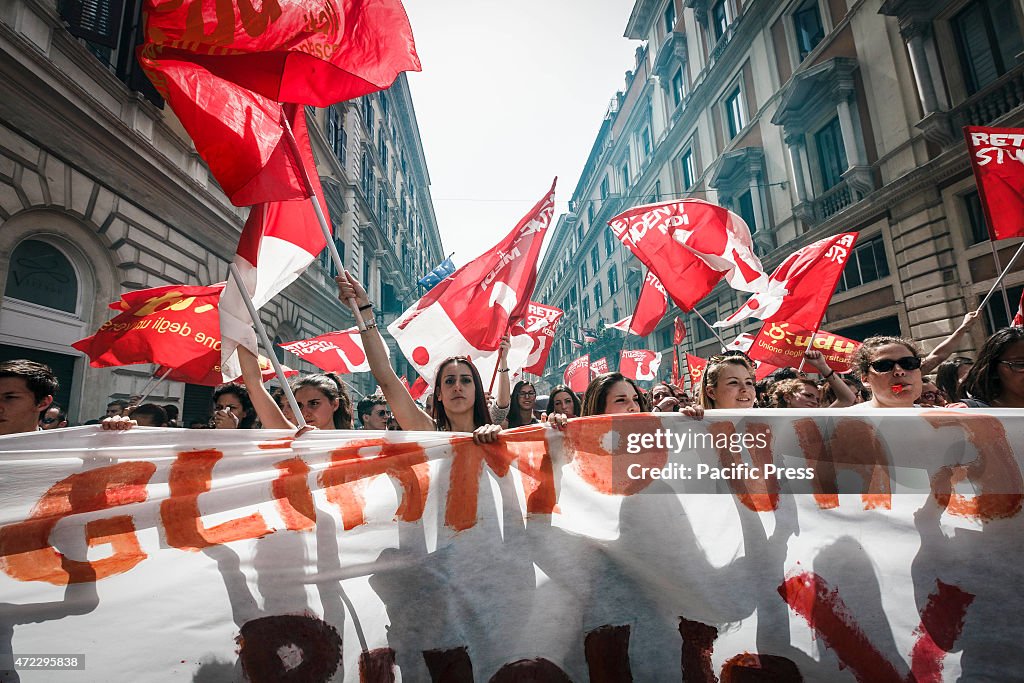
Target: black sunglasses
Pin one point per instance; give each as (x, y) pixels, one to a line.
(886, 365)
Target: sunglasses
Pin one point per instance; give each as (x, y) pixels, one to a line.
(886, 365)
(1014, 365)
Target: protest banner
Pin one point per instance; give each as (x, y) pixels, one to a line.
(807, 544)
(783, 345)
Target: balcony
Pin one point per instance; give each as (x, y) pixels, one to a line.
(983, 108)
(832, 201)
(671, 54)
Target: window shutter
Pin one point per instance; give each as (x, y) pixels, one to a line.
(98, 21)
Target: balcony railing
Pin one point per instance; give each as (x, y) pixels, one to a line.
(832, 201)
(992, 102)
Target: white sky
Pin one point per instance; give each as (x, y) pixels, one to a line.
(511, 95)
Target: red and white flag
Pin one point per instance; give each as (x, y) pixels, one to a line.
(279, 241)
(599, 367)
(577, 374)
(418, 388)
(691, 245)
(340, 352)
(651, 306)
(639, 364)
(539, 324)
(679, 333)
(801, 287)
(741, 343)
(997, 157)
(695, 366)
(622, 325)
(469, 311)
(1018, 319)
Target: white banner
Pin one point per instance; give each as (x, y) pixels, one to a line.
(816, 545)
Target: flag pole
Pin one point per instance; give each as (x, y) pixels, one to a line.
(149, 390)
(999, 281)
(494, 375)
(265, 340)
(713, 330)
(328, 237)
(810, 341)
(149, 385)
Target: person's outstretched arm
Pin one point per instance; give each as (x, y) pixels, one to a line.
(267, 410)
(844, 394)
(404, 409)
(946, 346)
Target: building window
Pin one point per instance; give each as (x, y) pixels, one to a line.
(831, 153)
(590, 212)
(734, 112)
(583, 274)
(988, 40)
(976, 218)
(604, 187)
(613, 280)
(995, 309)
(609, 242)
(645, 143)
(809, 30)
(670, 16)
(624, 176)
(586, 307)
(598, 296)
(867, 264)
(677, 87)
(703, 332)
(719, 19)
(595, 260)
(368, 117)
(745, 208)
(665, 337)
(689, 171)
(41, 274)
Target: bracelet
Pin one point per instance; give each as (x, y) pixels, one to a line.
(500, 370)
(366, 307)
(369, 326)
(829, 374)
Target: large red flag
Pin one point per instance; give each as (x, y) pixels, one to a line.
(297, 51)
(783, 345)
(168, 325)
(691, 245)
(680, 332)
(639, 364)
(340, 352)
(539, 324)
(237, 132)
(997, 157)
(651, 306)
(470, 310)
(577, 374)
(801, 287)
(278, 242)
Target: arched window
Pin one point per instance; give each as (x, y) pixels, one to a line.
(41, 274)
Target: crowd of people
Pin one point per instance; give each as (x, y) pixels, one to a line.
(888, 372)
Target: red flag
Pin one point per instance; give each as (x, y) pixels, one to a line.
(304, 52)
(997, 157)
(677, 379)
(651, 306)
(418, 388)
(691, 245)
(783, 345)
(599, 367)
(470, 310)
(801, 287)
(238, 133)
(577, 374)
(539, 324)
(680, 332)
(279, 241)
(1018, 319)
(206, 371)
(639, 364)
(168, 325)
(695, 366)
(340, 352)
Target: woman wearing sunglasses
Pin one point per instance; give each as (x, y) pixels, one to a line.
(891, 367)
(997, 378)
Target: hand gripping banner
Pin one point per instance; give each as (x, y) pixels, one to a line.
(806, 545)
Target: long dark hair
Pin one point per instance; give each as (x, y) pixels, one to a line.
(481, 416)
(330, 385)
(515, 413)
(596, 399)
(947, 376)
(577, 409)
(983, 382)
(248, 420)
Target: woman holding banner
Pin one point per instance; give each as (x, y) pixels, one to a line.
(459, 402)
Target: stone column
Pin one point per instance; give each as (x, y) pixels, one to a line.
(795, 142)
(914, 34)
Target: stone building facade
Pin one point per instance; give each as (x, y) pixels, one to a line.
(808, 118)
(101, 192)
